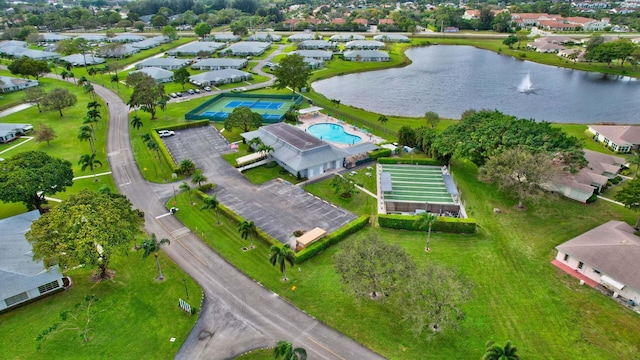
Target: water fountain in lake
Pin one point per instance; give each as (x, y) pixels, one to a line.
(525, 85)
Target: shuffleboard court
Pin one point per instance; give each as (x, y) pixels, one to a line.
(271, 107)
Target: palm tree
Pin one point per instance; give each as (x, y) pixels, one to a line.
(497, 352)
(86, 134)
(116, 79)
(184, 187)
(92, 72)
(88, 88)
(635, 160)
(211, 202)
(282, 255)
(266, 149)
(248, 230)
(152, 245)
(254, 143)
(198, 177)
(136, 122)
(383, 119)
(104, 190)
(285, 351)
(83, 80)
(426, 218)
(89, 161)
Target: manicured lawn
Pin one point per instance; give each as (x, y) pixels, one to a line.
(359, 203)
(139, 325)
(580, 131)
(262, 174)
(265, 354)
(517, 294)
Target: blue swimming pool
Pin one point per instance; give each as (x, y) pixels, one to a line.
(333, 133)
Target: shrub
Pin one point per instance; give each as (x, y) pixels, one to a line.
(298, 233)
(616, 180)
(163, 150)
(592, 199)
(444, 224)
(387, 160)
(182, 126)
(376, 154)
(206, 187)
(333, 238)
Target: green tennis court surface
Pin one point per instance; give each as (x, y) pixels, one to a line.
(271, 107)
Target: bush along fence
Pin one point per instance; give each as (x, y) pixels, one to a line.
(443, 224)
(388, 160)
(311, 250)
(168, 157)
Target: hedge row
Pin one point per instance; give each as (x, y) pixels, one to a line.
(163, 150)
(187, 125)
(443, 224)
(387, 160)
(333, 238)
(200, 191)
(376, 154)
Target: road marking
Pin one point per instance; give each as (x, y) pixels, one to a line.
(90, 176)
(326, 348)
(183, 245)
(163, 215)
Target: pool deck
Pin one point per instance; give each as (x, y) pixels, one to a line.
(319, 118)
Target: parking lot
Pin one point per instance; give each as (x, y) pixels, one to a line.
(277, 207)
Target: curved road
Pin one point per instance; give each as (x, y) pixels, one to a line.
(237, 314)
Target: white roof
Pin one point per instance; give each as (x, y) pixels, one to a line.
(82, 59)
(155, 73)
(220, 62)
(195, 47)
(313, 53)
(366, 54)
(264, 37)
(217, 75)
(364, 43)
(346, 37)
(159, 62)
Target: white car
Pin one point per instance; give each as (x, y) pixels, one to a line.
(165, 133)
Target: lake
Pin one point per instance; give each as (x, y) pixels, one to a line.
(451, 79)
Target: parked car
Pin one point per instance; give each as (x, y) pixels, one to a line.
(206, 88)
(173, 95)
(179, 94)
(165, 133)
(191, 92)
(197, 91)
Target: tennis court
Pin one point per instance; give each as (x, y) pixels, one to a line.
(271, 107)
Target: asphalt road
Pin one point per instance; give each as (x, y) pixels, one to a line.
(237, 314)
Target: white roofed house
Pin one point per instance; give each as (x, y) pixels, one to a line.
(163, 63)
(193, 48)
(19, 51)
(364, 45)
(124, 38)
(608, 256)
(247, 48)
(219, 63)
(151, 42)
(47, 37)
(21, 278)
(10, 84)
(316, 45)
(225, 37)
(300, 37)
(158, 74)
(117, 50)
(314, 54)
(346, 37)
(620, 138)
(366, 55)
(220, 77)
(391, 38)
(313, 63)
(300, 153)
(82, 60)
(268, 37)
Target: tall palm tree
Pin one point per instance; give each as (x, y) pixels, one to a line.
(82, 80)
(92, 72)
(282, 255)
(265, 150)
(152, 245)
(88, 89)
(116, 79)
(254, 143)
(86, 134)
(497, 352)
(635, 160)
(285, 351)
(184, 187)
(248, 230)
(89, 161)
(198, 177)
(211, 202)
(136, 122)
(426, 218)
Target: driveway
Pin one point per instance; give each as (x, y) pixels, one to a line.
(277, 207)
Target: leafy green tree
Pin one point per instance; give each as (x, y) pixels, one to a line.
(383, 119)
(248, 230)
(344, 186)
(34, 95)
(89, 161)
(630, 197)
(58, 99)
(373, 268)
(170, 32)
(497, 352)
(184, 187)
(44, 133)
(29, 67)
(407, 136)
(181, 76)
(432, 298)
(139, 25)
(151, 246)
(292, 72)
(432, 119)
(137, 123)
(30, 176)
(510, 41)
(427, 219)
(198, 177)
(285, 351)
(502, 23)
(522, 37)
(87, 228)
(187, 167)
(202, 29)
(147, 94)
(212, 202)
(242, 117)
(281, 255)
(158, 21)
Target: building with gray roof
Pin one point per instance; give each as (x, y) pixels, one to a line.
(158, 74)
(18, 52)
(391, 38)
(314, 54)
(346, 37)
(219, 63)
(364, 45)
(267, 37)
(225, 37)
(300, 37)
(193, 48)
(22, 278)
(117, 50)
(313, 63)
(366, 55)
(151, 42)
(13, 43)
(82, 60)
(163, 63)
(300, 153)
(316, 45)
(93, 38)
(608, 255)
(48, 37)
(11, 84)
(247, 48)
(124, 38)
(10, 131)
(220, 77)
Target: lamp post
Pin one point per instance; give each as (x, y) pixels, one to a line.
(185, 287)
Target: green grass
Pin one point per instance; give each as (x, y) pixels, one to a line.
(359, 203)
(264, 173)
(145, 312)
(262, 354)
(517, 294)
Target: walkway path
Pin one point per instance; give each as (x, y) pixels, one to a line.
(237, 314)
(15, 109)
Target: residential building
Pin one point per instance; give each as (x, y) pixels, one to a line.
(620, 138)
(247, 48)
(300, 153)
(151, 42)
(82, 60)
(265, 37)
(163, 63)
(22, 278)
(220, 77)
(120, 51)
(158, 74)
(392, 38)
(608, 256)
(18, 52)
(193, 48)
(314, 54)
(226, 38)
(300, 37)
(364, 45)
(48, 37)
(316, 45)
(10, 84)
(127, 38)
(346, 37)
(366, 55)
(219, 63)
